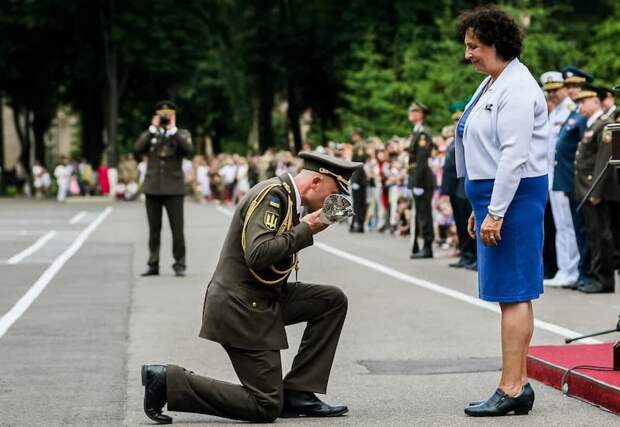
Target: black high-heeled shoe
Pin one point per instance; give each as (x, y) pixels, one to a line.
(501, 404)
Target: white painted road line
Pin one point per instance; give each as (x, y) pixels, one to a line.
(33, 248)
(541, 324)
(77, 217)
(35, 290)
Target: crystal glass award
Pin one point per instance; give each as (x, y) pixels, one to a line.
(336, 208)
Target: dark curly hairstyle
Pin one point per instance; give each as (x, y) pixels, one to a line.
(493, 27)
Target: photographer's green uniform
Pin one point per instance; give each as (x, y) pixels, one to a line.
(164, 187)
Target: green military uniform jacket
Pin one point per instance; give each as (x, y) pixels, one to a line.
(164, 172)
(586, 165)
(239, 310)
(420, 149)
(609, 188)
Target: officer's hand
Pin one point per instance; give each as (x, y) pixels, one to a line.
(490, 231)
(471, 226)
(173, 121)
(155, 121)
(312, 219)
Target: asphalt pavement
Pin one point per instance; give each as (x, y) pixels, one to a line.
(77, 321)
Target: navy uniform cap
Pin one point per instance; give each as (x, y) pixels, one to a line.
(165, 105)
(573, 74)
(339, 169)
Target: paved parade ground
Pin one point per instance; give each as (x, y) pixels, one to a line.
(77, 321)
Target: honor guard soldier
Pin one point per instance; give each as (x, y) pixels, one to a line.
(421, 180)
(359, 182)
(570, 134)
(588, 164)
(249, 301)
(165, 146)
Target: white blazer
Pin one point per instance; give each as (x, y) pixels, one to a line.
(506, 135)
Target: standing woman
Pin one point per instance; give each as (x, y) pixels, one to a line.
(501, 150)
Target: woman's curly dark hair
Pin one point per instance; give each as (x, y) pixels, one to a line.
(493, 27)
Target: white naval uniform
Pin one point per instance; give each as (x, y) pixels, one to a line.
(566, 249)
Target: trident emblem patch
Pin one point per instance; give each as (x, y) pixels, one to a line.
(271, 220)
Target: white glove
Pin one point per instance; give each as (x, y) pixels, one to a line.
(417, 191)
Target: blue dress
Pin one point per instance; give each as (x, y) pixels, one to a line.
(512, 271)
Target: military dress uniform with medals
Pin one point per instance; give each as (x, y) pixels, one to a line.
(422, 181)
(164, 186)
(250, 300)
(597, 222)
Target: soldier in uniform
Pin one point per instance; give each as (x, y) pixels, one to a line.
(565, 243)
(609, 103)
(165, 146)
(454, 187)
(591, 158)
(249, 302)
(359, 182)
(421, 180)
(570, 134)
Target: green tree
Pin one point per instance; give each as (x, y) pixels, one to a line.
(371, 94)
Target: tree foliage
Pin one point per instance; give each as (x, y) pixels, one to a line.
(232, 64)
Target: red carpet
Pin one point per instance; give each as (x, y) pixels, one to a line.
(549, 363)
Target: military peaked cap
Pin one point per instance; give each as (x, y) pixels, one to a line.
(418, 106)
(339, 169)
(574, 75)
(585, 94)
(551, 80)
(165, 105)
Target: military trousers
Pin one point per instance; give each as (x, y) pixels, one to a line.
(550, 263)
(259, 398)
(173, 204)
(424, 217)
(582, 239)
(461, 209)
(565, 241)
(598, 220)
(359, 207)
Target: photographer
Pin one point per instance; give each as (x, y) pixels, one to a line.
(165, 146)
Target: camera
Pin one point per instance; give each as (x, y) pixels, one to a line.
(164, 120)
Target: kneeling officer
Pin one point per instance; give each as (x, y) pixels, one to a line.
(249, 302)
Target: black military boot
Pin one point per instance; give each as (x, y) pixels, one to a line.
(305, 403)
(426, 252)
(154, 382)
(151, 271)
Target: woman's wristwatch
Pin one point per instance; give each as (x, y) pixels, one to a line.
(494, 217)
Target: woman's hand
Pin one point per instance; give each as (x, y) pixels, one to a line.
(490, 231)
(471, 226)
